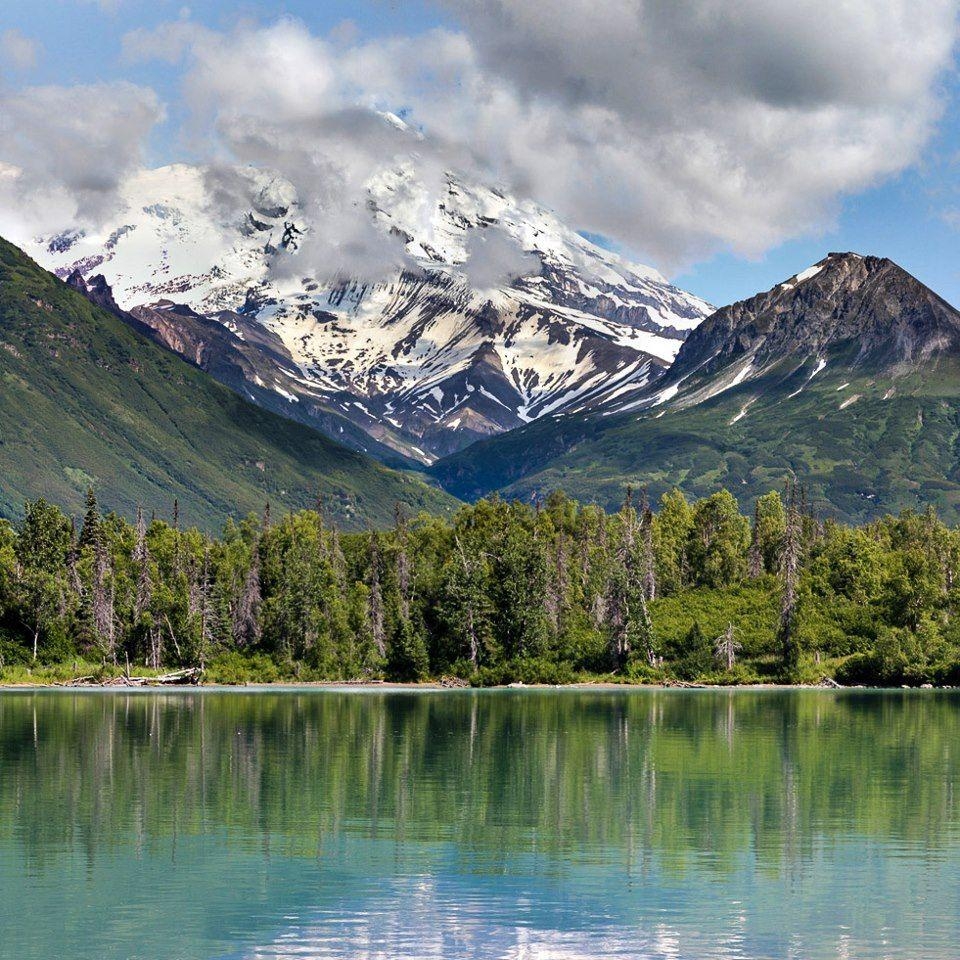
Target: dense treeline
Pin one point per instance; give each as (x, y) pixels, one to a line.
(503, 592)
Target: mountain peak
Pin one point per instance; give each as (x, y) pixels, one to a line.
(864, 312)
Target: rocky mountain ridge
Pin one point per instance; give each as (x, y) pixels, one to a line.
(865, 312)
(846, 375)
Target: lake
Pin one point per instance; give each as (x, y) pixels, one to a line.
(490, 824)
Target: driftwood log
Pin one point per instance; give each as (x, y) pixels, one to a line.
(190, 675)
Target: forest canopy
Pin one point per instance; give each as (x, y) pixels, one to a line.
(503, 592)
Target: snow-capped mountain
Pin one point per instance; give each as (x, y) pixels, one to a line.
(442, 352)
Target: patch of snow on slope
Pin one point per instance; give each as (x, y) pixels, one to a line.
(668, 394)
(809, 273)
(821, 363)
(742, 375)
(292, 398)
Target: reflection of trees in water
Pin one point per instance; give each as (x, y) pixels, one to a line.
(623, 777)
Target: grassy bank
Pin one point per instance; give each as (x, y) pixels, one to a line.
(257, 669)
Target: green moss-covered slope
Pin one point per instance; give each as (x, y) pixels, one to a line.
(85, 400)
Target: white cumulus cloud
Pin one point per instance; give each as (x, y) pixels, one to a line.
(675, 127)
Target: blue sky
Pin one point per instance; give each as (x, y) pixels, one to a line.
(907, 218)
(911, 215)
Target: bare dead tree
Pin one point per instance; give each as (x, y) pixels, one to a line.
(647, 558)
(141, 558)
(102, 605)
(206, 609)
(375, 612)
(726, 648)
(403, 565)
(790, 574)
(470, 613)
(246, 614)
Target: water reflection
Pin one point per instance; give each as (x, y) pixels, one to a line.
(480, 825)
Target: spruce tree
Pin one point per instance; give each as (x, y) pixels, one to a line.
(409, 659)
(91, 531)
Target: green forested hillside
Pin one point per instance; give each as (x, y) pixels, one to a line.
(861, 444)
(88, 402)
(848, 379)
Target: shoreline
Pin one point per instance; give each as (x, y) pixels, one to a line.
(436, 687)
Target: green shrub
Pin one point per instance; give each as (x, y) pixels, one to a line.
(237, 668)
(526, 671)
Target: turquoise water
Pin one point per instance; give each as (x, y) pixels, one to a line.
(507, 824)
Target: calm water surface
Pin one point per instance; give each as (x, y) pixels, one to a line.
(520, 824)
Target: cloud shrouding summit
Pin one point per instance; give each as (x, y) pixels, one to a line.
(64, 150)
(675, 127)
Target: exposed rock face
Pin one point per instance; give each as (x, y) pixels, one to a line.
(424, 361)
(253, 361)
(96, 290)
(868, 309)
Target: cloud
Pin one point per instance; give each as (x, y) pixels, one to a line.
(74, 145)
(494, 257)
(680, 126)
(675, 127)
(18, 51)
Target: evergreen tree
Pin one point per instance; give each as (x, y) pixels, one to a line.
(409, 659)
(697, 658)
(92, 531)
